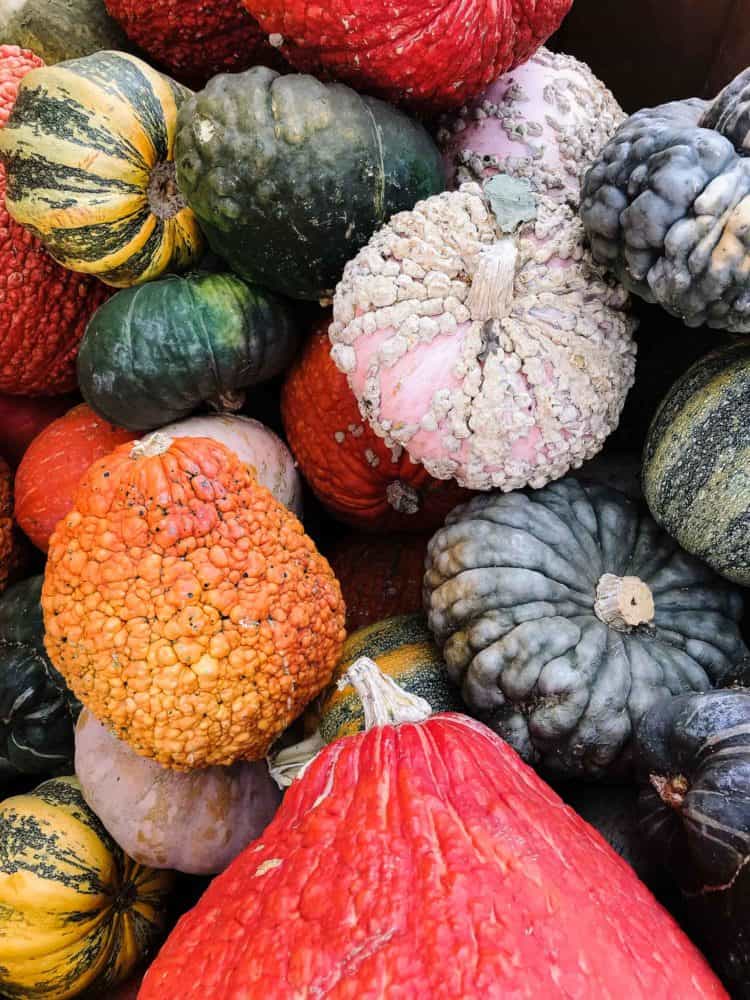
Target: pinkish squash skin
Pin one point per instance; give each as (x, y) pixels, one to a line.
(195, 822)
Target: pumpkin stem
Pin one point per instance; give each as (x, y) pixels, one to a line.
(151, 446)
(164, 197)
(491, 292)
(291, 763)
(623, 602)
(402, 497)
(671, 791)
(383, 701)
(230, 401)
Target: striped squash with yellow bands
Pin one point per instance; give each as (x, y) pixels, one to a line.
(696, 464)
(404, 650)
(88, 151)
(76, 914)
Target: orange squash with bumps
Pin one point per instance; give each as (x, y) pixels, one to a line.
(186, 607)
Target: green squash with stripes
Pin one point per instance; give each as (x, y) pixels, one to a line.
(37, 710)
(696, 466)
(89, 159)
(153, 354)
(77, 915)
(404, 650)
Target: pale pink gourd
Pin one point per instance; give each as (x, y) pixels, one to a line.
(545, 121)
(195, 822)
(255, 445)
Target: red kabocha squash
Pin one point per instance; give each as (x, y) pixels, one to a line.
(22, 418)
(43, 308)
(457, 873)
(380, 576)
(432, 55)
(195, 39)
(349, 468)
(53, 466)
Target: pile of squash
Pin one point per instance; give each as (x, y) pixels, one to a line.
(374, 510)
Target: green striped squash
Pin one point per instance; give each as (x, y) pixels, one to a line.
(696, 468)
(76, 913)
(404, 650)
(88, 153)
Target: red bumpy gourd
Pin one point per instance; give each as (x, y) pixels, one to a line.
(431, 54)
(43, 308)
(427, 861)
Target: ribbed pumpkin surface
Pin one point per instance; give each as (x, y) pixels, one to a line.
(426, 861)
(350, 469)
(51, 469)
(75, 912)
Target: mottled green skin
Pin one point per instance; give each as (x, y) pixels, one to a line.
(290, 177)
(152, 354)
(37, 711)
(696, 467)
(57, 30)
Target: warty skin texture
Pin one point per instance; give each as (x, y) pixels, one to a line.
(186, 607)
(43, 308)
(427, 861)
(666, 207)
(431, 54)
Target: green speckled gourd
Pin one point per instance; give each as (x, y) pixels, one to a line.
(290, 177)
(696, 463)
(692, 755)
(667, 207)
(152, 354)
(565, 613)
(37, 710)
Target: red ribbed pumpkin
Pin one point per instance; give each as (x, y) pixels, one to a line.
(432, 54)
(22, 418)
(420, 861)
(349, 468)
(43, 308)
(380, 576)
(195, 39)
(54, 465)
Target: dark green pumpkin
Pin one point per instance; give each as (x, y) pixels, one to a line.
(696, 466)
(60, 29)
(37, 711)
(692, 755)
(152, 354)
(290, 177)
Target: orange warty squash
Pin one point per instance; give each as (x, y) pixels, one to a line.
(53, 465)
(380, 576)
(186, 607)
(6, 523)
(349, 468)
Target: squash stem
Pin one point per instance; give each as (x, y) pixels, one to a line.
(623, 602)
(164, 197)
(383, 701)
(151, 446)
(671, 791)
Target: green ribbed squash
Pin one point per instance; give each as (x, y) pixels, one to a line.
(696, 465)
(76, 913)
(404, 650)
(88, 154)
(152, 354)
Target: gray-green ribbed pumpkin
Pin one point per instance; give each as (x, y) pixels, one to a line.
(696, 463)
(290, 177)
(152, 354)
(565, 613)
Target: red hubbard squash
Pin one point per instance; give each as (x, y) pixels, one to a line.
(457, 873)
(380, 576)
(53, 466)
(43, 308)
(195, 39)
(432, 55)
(349, 468)
(22, 418)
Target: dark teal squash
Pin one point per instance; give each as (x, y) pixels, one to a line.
(290, 177)
(37, 711)
(152, 354)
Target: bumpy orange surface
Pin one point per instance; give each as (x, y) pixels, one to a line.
(6, 522)
(186, 607)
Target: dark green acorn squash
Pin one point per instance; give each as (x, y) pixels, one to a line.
(565, 613)
(290, 177)
(60, 29)
(692, 755)
(696, 475)
(37, 711)
(152, 354)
